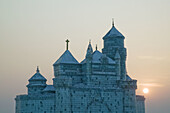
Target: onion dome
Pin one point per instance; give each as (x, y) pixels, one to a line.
(66, 58)
(36, 83)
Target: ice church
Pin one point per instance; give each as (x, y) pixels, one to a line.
(98, 84)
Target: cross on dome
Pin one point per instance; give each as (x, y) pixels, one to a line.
(67, 41)
(113, 22)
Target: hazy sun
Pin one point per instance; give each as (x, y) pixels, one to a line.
(146, 90)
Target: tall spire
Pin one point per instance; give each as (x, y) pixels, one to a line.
(113, 22)
(67, 41)
(90, 49)
(37, 70)
(96, 47)
(90, 41)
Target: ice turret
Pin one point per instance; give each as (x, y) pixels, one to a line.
(66, 57)
(113, 33)
(65, 68)
(114, 42)
(89, 50)
(36, 83)
(89, 62)
(90, 47)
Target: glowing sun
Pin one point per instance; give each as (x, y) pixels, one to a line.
(145, 90)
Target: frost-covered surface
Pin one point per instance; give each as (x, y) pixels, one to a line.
(113, 33)
(49, 88)
(37, 76)
(128, 78)
(94, 87)
(99, 84)
(35, 84)
(117, 56)
(140, 104)
(90, 47)
(97, 56)
(66, 57)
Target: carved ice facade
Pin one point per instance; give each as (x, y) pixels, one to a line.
(99, 84)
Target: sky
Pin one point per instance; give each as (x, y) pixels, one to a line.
(33, 33)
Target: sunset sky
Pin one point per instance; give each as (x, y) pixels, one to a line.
(33, 33)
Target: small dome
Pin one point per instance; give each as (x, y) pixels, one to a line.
(37, 76)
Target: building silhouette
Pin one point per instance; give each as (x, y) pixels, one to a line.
(99, 84)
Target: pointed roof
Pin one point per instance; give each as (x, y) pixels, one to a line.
(113, 32)
(90, 47)
(128, 78)
(97, 55)
(96, 46)
(49, 88)
(96, 58)
(66, 58)
(89, 50)
(37, 76)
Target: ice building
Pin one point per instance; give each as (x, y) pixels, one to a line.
(98, 84)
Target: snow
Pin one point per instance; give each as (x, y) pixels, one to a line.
(66, 58)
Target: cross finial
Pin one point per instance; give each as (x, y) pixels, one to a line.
(90, 41)
(67, 41)
(38, 69)
(113, 22)
(96, 47)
